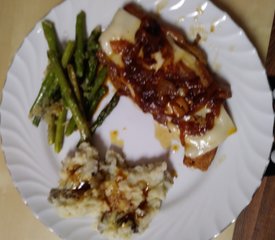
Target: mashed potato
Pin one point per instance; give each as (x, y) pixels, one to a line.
(123, 199)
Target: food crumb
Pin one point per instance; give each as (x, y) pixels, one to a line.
(114, 136)
(196, 29)
(175, 148)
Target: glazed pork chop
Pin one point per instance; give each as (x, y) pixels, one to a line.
(168, 77)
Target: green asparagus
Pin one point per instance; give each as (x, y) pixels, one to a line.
(99, 95)
(74, 81)
(50, 35)
(92, 68)
(49, 85)
(68, 53)
(51, 129)
(80, 43)
(60, 126)
(71, 127)
(105, 112)
(36, 120)
(42, 97)
(69, 98)
(92, 47)
(100, 79)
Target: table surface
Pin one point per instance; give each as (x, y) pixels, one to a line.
(17, 19)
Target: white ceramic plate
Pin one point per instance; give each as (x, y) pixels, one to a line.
(200, 204)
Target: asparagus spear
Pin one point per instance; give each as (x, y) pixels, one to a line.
(51, 129)
(105, 112)
(50, 35)
(92, 67)
(80, 43)
(92, 47)
(71, 127)
(100, 93)
(49, 85)
(100, 79)
(36, 120)
(68, 52)
(74, 83)
(60, 126)
(53, 46)
(69, 98)
(40, 100)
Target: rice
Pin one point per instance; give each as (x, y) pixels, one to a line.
(122, 199)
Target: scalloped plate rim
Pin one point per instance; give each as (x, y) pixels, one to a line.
(3, 97)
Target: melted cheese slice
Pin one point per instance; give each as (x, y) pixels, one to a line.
(124, 27)
(198, 145)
